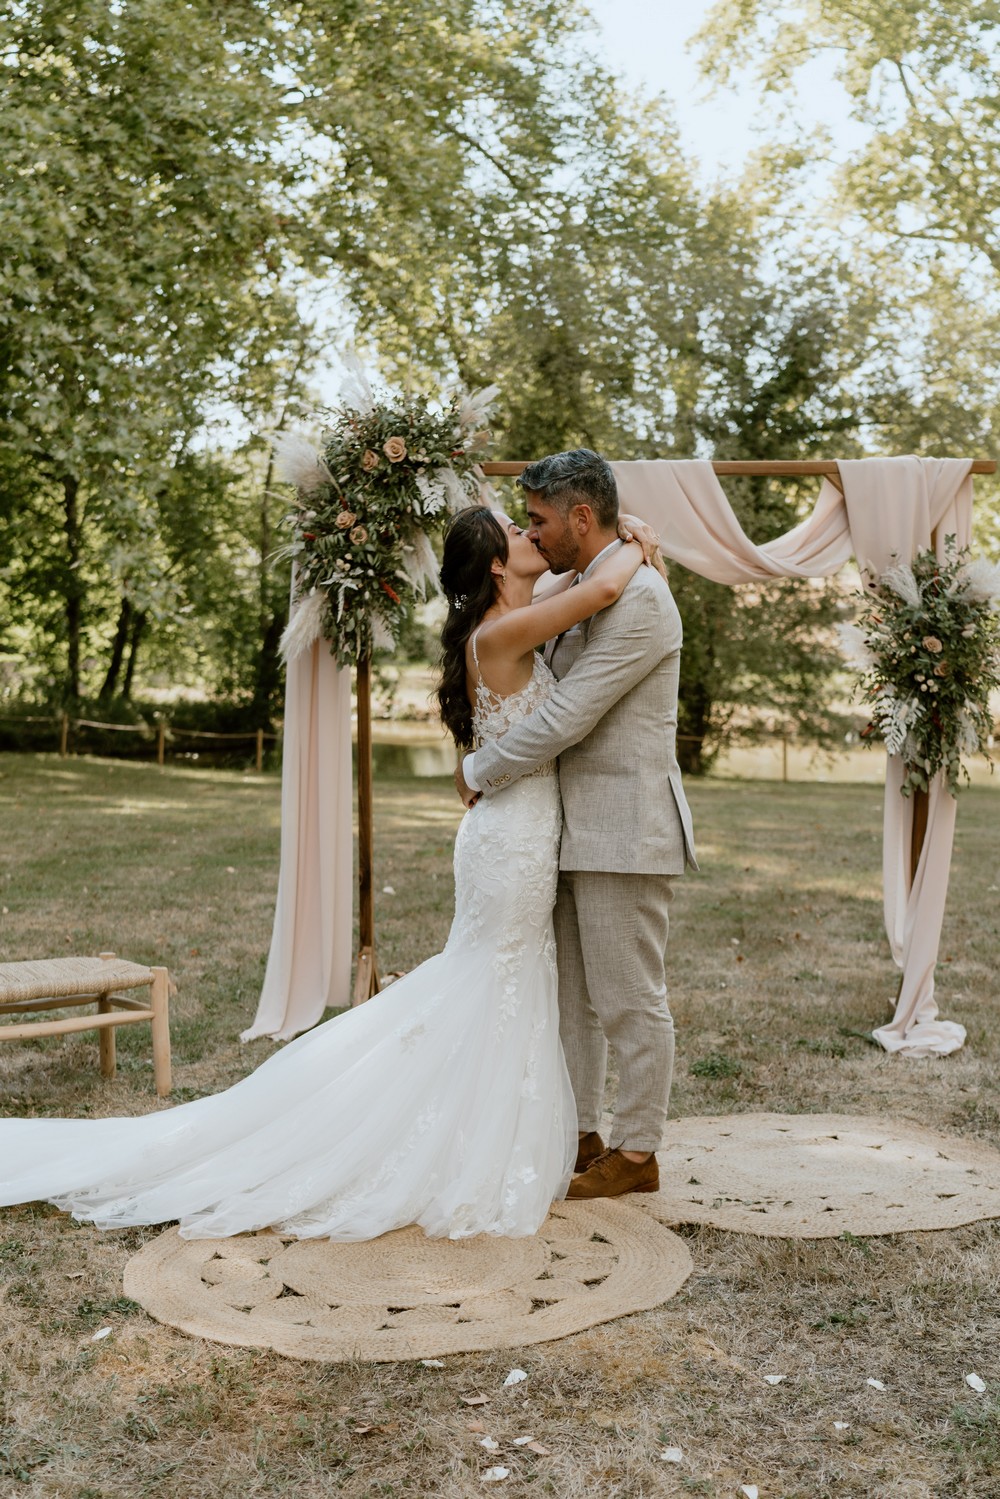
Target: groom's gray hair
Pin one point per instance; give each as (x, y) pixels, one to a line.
(578, 477)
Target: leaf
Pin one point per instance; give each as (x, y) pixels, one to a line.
(538, 1448)
(474, 1399)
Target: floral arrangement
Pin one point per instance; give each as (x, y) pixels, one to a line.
(928, 646)
(389, 473)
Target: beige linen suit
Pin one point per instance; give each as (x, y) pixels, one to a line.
(612, 720)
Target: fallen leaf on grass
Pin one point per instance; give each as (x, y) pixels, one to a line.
(475, 1426)
(74, 1275)
(514, 1377)
(539, 1449)
(975, 1383)
(362, 1431)
(105, 1332)
(876, 1384)
(474, 1399)
(494, 1475)
(671, 1455)
(774, 1378)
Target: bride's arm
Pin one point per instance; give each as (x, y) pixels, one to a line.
(518, 632)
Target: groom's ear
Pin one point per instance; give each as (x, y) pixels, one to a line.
(581, 519)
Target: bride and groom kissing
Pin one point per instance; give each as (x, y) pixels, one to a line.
(469, 1095)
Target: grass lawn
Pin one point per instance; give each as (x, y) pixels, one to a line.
(777, 954)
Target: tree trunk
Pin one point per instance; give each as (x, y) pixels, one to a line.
(693, 726)
(110, 682)
(74, 584)
(138, 626)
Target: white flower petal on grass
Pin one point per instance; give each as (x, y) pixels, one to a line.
(490, 1444)
(749, 1489)
(430, 1363)
(876, 1384)
(841, 1425)
(975, 1383)
(514, 1377)
(105, 1332)
(495, 1475)
(522, 1441)
(671, 1455)
(774, 1378)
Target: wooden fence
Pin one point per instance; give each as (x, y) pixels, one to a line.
(161, 734)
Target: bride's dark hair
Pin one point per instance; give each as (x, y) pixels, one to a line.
(475, 540)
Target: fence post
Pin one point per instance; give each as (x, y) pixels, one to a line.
(161, 744)
(260, 750)
(63, 735)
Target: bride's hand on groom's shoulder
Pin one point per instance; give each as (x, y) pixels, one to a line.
(631, 528)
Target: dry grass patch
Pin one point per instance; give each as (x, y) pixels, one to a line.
(777, 957)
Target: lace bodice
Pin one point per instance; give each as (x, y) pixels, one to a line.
(493, 715)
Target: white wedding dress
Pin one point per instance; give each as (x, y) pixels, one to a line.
(444, 1101)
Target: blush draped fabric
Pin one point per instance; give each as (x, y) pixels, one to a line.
(309, 964)
(891, 508)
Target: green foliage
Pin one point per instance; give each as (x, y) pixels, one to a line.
(931, 643)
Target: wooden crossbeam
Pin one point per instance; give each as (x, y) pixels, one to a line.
(749, 468)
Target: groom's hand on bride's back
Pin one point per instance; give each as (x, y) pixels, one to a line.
(468, 796)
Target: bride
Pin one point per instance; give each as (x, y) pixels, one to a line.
(445, 1100)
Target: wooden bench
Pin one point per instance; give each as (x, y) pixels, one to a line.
(63, 983)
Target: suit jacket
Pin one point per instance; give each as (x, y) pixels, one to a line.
(612, 721)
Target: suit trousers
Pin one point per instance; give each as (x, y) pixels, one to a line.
(611, 936)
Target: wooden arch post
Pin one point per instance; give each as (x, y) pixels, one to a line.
(366, 981)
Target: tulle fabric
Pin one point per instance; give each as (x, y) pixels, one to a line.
(444, 1101)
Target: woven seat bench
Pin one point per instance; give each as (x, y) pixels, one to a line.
(63, 983)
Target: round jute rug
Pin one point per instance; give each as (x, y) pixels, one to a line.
(405, 1296)
(810, 1176)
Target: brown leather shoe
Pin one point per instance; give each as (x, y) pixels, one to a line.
(590, 1147)
(613, 1174)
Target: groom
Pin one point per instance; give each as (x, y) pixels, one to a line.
(612, 720)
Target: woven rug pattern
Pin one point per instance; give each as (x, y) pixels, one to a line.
(809, 1176)
(405, 1296)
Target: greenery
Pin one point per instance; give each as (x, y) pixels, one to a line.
(201, 202)
(151, 1410)
(929, 636)
(392, 471)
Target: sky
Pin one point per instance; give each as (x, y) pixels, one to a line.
(645, 41)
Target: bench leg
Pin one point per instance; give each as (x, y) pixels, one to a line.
(159, 1004)
(107, 1040)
